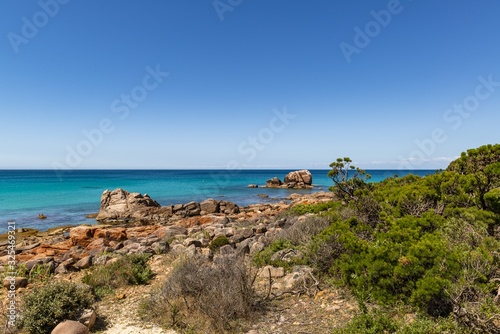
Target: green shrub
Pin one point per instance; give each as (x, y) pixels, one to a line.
(328, 246)
(263, 257)
(302, 209)
(127, 270)
(383, 321)
(369, 323)
(492, 199)
(45, 307)
(218, 242)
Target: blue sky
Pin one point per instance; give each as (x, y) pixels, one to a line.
(250, 84)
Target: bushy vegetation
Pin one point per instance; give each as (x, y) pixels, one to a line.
(301, 209)
(385, 321)
(43, 308)
(264, 257)
(347, 178)
(218, 242)
(200, 295)
(127, 270)
(430, 243)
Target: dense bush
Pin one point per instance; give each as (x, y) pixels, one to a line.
(424, 241)
(127, 270)
(379, 321)
(200, 294)
(44, 307)
(302, 209)
(492, 199)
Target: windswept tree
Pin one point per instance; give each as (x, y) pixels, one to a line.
(347, 178)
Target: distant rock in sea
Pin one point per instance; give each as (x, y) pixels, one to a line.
(300, 179)
(273, 183)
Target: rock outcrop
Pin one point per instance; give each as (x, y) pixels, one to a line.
(300, 179)
(273, 183)
(120, 206)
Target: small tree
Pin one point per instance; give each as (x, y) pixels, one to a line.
(347, 178)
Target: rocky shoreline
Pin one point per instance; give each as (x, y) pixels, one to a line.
(135, 223)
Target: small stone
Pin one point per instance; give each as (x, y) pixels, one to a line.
(209, 206)
(272, 271)
(84, 263)
(286, 255)
(260, 229)
(160, 247)
(178, 249)
(101, 260)
(226, 250)
(70, 327)
(61, 269)
(191, 241)
(17, 282)
(256, 247)
(88, 318)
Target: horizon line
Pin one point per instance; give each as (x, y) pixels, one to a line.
(204, 168)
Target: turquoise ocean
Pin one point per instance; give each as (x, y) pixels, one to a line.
(66, 199)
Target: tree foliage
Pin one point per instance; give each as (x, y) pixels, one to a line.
(429, 242)
(347, 178)
(482, 166)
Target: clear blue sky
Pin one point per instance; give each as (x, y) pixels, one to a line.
(67, 67)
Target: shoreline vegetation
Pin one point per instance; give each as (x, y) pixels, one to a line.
(406, 255)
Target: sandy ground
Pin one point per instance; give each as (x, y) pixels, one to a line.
(126, 329)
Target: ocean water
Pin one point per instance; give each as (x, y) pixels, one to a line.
(67, 199)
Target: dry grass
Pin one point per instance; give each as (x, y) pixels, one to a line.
(200, 294)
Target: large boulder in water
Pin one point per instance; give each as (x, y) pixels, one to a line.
(299, 178)
(273, 183)
(121, 206)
